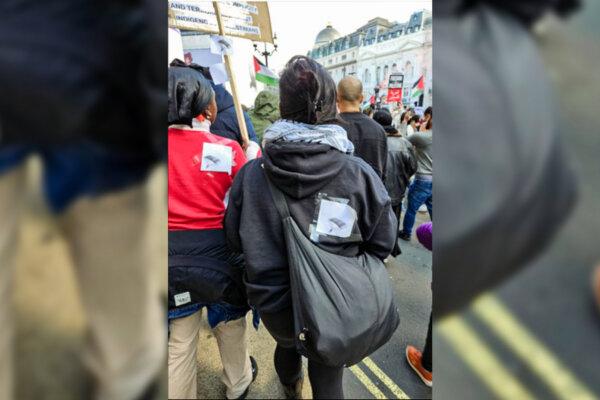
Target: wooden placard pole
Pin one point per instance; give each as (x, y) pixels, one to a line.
(238, 107)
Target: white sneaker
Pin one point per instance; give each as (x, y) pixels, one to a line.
(423, 208)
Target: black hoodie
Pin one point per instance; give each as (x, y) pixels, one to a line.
(302, 172)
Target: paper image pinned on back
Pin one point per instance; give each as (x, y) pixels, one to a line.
(216, 158)
(335, 219)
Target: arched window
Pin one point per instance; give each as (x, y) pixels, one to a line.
(394, 67)
(385, 73)
(366, 77)
(378, 75)
(408, 72)
(343, 72)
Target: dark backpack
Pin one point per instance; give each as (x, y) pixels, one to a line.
(343, 306)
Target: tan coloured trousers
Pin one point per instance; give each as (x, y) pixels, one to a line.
(183, 367)
(125, 345)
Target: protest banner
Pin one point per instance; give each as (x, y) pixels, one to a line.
(248, 20)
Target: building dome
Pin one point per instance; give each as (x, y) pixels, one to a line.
(327, 35)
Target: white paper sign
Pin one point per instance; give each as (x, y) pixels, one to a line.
(218, 73)
(221, 45)
(335, 219)
(175, 45)
(182, 298)
(204, 57)
(216, 158)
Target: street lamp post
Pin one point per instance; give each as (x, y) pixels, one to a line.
(265, 53)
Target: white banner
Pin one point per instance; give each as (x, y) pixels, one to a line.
(238, 17)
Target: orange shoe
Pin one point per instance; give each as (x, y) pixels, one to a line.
(413, 356)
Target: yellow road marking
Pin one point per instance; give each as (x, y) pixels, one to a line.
(482, 362)
(541, 361)
(399, 393)
(367, 383)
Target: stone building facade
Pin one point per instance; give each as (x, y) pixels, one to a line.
(379, 48)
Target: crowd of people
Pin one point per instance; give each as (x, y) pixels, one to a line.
(227, 245)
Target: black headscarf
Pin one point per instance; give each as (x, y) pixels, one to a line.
(189, 95)
(307, 92)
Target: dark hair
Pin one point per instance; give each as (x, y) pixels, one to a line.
(307, 92)
(414, 118)
(429, 111)
(383, 117)
(203, 70)
(189, 95)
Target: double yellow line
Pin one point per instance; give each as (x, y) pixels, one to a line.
(530, 350)
(382, 376)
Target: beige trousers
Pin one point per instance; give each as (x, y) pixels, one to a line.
(183, 367)
(125, 348)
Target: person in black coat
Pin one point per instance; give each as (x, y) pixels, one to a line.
(309, 158)
(367, 135)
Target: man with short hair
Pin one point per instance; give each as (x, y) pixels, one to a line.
(368, 136)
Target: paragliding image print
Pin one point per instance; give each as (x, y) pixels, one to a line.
(216, 158)
(335, 219)
(211, 160)
(336, 222)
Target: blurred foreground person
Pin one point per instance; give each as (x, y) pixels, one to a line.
(101, 203)
(307, 157)
(367, 136)
(203, 272)
(421, 189)
(499, 205)
(401, 164)
(422, 362)
(265, 112)
(92, 118)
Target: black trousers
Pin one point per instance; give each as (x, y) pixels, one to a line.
(396, 251)
(427, 359)
(326, 381)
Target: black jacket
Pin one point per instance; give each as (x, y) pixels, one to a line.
(369, 140)
(401, 165)
(302, 171)
(73, 69)
(226, 124)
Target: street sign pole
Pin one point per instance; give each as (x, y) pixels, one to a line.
(238, 107)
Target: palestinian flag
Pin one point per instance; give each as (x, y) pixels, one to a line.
(418, 88)
(264, 74)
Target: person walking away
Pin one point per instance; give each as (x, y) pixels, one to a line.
(401, 165)
(403, 123)
(308, 157)
(413, 125)
(265, 112)
(367, 135)
(201, 170)
(421, 362)
(421, 189)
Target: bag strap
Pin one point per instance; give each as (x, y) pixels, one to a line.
(278, 198)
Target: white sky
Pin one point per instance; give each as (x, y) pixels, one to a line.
(297, 23)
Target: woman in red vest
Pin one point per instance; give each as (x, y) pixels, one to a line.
(203, 272)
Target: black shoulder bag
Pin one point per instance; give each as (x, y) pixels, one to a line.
(343, 306)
